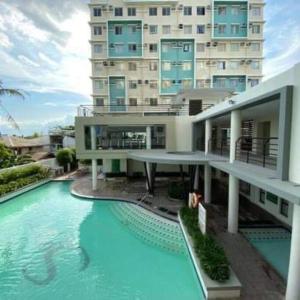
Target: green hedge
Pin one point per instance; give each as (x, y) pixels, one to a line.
(14, 179)
(212, 257)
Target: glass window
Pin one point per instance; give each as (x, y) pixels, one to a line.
(120, 84)
(99, 101)
(234, 82)
(284, 208)
(153, 84)
(153, 48)
(221, 47)
(262, 196)
(255, 65)
(200, 10)
(132, 84)
(200, 83)
(200, 47)
(187, 66)
(133, 101)
(153, 66)
(254, 82)
(131, 11)
(166, 29)
(97, 12)
(99, 84)
(200, 29)
(222, 10)
(221, 28)
(166, 66)
(245, 187)
(97, 30)
(256, 11)
(98, 67)
(255, 47)
(152, 11)
(235, 47)
(166, 11)
(256, 29)
(132, 28)
(118, 11)
(188, 29)
(132, 47)
(119, 48)
(187, 48)
(120, 101)
(132, 66)
(235, 28)
(118, 29)
(235, 10)
(234, 65)
(153, 29)
(153, 101)
(166, 83)
(272, 198)
(221, 65)
(187, 10)
(98, 48)
(220, 82)
(187, 83)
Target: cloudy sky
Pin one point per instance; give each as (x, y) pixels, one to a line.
(44, 50)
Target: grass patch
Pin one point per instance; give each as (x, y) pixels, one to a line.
(212, 257)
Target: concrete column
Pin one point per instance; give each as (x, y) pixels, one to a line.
(94, 174)
(207, 183)
(148, 166)
(208, 130)
(93, 137)
(293, 287)
(148, 137)
(233, 204)
(196, 179)
(235, 132)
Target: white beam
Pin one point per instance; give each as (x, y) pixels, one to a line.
(94, 174)
(207, 183)
(235, 132)
(233, 204)
(148, 137)
(208, 130)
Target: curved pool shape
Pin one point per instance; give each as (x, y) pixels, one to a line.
(56, 246)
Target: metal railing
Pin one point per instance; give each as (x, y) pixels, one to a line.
(219, 146)
(259, 151)
(160, 109)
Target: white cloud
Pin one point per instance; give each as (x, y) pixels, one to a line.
(4, 40)
(47, 59)
(28, 61)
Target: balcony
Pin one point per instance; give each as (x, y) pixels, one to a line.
(258, 151)
(145, 110)
(219, 147)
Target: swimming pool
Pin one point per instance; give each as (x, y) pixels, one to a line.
(274, 244)
(56, 246)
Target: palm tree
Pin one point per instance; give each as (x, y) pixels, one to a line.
(10, 93)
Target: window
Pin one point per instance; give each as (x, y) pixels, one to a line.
(153, 84)
(200, 10)
(187, 66)
(235, 28)
(220, 82)
(153, 48)
(98, 48)
(200, 83)
(132, 47)
(200, 47)
(153, 66)
(262, 196)
(152, 11)
(166, 66)
(256, 29)
(97, 30)
(99, 101)
(284, 208)
(221, 65)
(131, 11)
(255, 65)
(188, 29)
(187, 83)
(98, 67)
(132, 84)
(222, 10)
(201, 64)
(132, 28)
(245, 187)
(120, 101)
(166, 48)
(256, 11)
(255, 47)
(153, 29)
(132, 66)
(235, 47)
(254, 82)
(118, 11)
(234, 82)
(187, 48)
(97, 12)
(187, 10)
(235, 10)
(221, 28)
(166, 29)
(166, 11)
(99, 84)
(221, 47)
(166, 83)
(200, 29)
(234, 65)
(118, 29)
(272, 198)
(133, 101)
(153, 101)
(119, 48)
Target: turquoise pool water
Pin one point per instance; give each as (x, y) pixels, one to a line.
(274, 244)
(56, 246)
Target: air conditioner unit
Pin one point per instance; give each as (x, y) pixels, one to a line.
(112, 63)
(111, 45)
(145, 26)
(174, 81)
(242, 44)
(180, 7)
(140, 81)
(208, 25)
(208, 62)
(105, 63)
(215, 44)
(106, 82)
(173, 8)
(208, 7)
(250, 24)
(207, 80)
(248, 44)
(180, 26)
(146, 81)
(208, 44)
(242, 62)
(145, 45)
(104, 27)
(111, 8)
(213, 63)
(248, 62)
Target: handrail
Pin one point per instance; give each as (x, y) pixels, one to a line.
(219, 146)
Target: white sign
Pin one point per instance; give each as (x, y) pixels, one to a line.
(202, 218)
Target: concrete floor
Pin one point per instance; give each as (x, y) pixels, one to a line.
(259, 280)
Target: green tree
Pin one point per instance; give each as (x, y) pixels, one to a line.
(7, 157)
(11, 93)
(64, 157)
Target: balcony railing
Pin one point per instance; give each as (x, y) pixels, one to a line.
(259, 151)
(219, 147)
(161, 109)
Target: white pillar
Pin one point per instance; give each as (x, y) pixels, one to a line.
(196, 179)
(94, 174)
(207, 183)
(293, 286)
(93, 137)
(208, 130)
(233, 204)
(235, 132)
(148, 137)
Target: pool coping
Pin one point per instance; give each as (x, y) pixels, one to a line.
(22, 190)
(231, 289)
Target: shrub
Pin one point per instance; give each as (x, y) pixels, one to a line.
(64, 156)
(211, 256)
